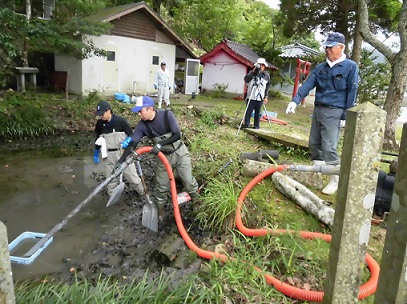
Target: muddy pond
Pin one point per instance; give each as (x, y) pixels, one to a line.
(37, 193)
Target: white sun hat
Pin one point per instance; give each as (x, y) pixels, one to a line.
(262, 61)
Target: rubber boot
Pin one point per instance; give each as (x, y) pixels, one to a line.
(317, 177)
(194, 197)
(160, 211)
(318, 162)
(332, 186)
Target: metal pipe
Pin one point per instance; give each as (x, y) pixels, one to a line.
(324, 169)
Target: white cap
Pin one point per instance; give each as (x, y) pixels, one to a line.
(262, 61)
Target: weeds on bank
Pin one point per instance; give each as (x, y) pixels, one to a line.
(105, 290)
(35, 115)
(22, 117)
(220, 201)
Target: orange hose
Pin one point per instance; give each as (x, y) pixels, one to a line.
(365, 290)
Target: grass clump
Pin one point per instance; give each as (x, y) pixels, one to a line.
(218, 210)
(22, 117)
(109, 291)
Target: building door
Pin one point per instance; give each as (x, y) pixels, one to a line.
(154, 66)
(192, 76)
(111, 72)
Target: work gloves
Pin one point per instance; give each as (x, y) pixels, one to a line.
(291, 107)
(156, 149)
(126, 142)
(96, 156)
(155, 86)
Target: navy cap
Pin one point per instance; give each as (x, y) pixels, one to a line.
(142, 102)
(333, 39)
(102, 107)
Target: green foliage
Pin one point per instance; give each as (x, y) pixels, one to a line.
(219, 205)
(206, 23)
(220, 90)
(211, 119)
(374, 79)
(105, 290)
(21, 117)
(66, 33)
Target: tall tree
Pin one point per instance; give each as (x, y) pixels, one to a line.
(63, 34)
(398, 62)
(336, 15)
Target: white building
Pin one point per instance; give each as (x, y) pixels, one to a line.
(136, 45)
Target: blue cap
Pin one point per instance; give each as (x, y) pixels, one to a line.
(333, 39)
(142, 102)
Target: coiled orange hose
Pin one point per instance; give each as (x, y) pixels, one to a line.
(365, 290)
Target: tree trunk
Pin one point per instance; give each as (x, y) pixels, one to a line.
(394, 98)
(157, 6)
(398, 61)
(303, 197)
(357, 42)
(24, 57)
(313, 180)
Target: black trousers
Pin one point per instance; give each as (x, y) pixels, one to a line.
(253, 105)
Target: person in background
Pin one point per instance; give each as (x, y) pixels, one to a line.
(258, 81)
(110, 131)
(162, 128)
(162, 84)
(336, 83)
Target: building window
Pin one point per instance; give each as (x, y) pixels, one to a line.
(156, 60)
(111, 56)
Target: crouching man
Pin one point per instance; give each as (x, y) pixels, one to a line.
(162, 128)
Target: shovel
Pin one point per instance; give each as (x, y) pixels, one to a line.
(150, 212)
(117, 192)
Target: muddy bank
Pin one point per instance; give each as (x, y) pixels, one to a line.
(40, 186)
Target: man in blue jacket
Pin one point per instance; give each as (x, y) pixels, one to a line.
(336, 83)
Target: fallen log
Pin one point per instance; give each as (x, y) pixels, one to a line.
(314, 180)
(303, 197)
(260, 155)
(167, 251)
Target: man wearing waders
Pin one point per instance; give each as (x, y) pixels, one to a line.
(162, 128)
(162, 83)
(111, 130)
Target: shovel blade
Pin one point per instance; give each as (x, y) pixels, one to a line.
(116, 194)
(150, 216)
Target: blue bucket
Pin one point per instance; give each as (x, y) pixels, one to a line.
(119, 96)
(126, 98)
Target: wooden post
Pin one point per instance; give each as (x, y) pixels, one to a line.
(360, 161)
(392, 285)
(6, 279)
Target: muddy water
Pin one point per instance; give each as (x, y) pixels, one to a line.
(36, 194)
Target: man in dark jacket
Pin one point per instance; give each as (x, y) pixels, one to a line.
(258, 81)
(162, 128)
(336, 83)
(110, 131)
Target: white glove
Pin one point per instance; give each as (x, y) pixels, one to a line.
(291, 107)
(342, 123)
(102, 142)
